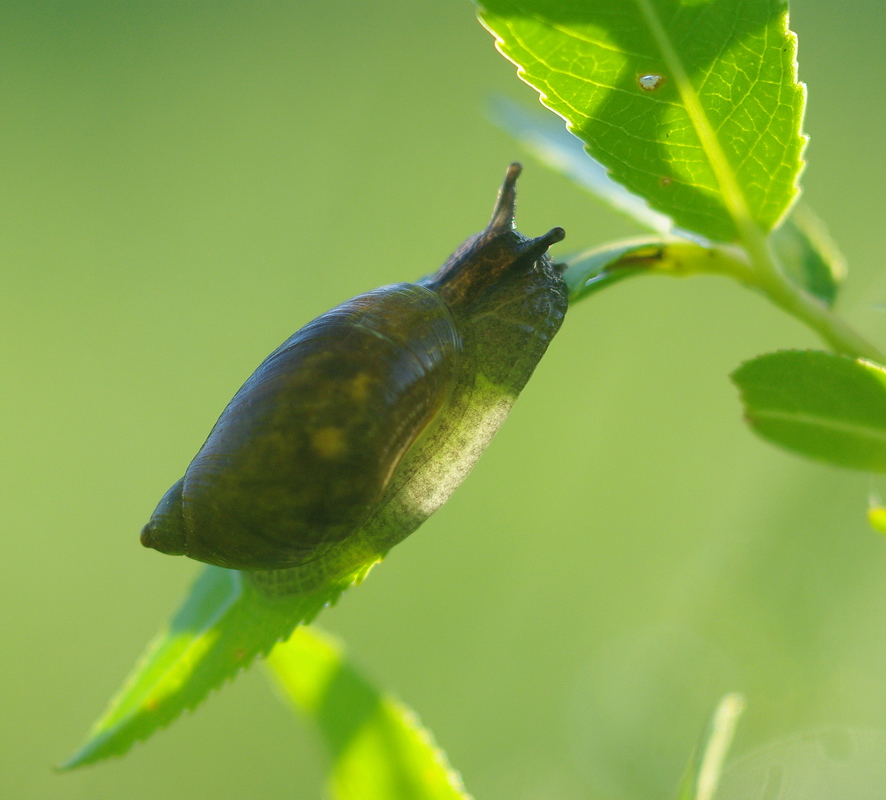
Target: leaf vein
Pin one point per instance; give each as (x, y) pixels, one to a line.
(827, 423)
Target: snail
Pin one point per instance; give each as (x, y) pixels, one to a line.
(362, 424)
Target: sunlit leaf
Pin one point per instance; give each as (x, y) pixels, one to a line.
(809, 255)
(379, 750)
(825, 406)
(694, 106)
(224, 623)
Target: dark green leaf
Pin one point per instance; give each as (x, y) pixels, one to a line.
(809, 255)
(824, 406)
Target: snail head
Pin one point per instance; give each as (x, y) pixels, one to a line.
(495, 257)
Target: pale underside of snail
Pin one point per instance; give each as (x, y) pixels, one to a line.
(362, 424)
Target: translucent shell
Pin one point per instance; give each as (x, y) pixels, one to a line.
(364, 422)
(300, 458)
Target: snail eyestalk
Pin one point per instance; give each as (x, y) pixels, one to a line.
(537, 247)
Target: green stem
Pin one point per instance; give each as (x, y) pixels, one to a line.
(753, 265)
(833, 329)
(764, 273)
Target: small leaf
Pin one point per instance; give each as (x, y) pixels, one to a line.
(809, 255)
(706, 765)
(694, 106)
(378, 747)
(224, 623)
(825, 406)
(592, 270)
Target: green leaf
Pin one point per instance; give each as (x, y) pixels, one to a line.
(224, 623)
(804, 247)
(588, 272)
(593, 270)
(808, 254)
(378, 748)
(706, 765)
(691, 104)
(824, 406)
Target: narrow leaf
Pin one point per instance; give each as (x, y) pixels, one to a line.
(825, 406)
(588, 272)
(593, 270)
(706, 765)
(379, 749)
(694, 106)
(224, 623)
(809, 255)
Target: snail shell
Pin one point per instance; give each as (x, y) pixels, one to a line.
(360, 425)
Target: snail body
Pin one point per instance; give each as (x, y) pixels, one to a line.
(359, 426)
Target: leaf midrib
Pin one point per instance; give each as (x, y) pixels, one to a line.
(733, 196)
(828, 423)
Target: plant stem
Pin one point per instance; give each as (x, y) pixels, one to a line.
(752, 263)
(767, 276)
(764, 274)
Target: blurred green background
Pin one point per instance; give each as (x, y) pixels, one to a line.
(184, 185)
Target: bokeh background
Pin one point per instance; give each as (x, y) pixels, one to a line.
(184, 184)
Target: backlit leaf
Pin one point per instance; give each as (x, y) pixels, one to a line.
(379, 750)
(691, 104)
(224, 623)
